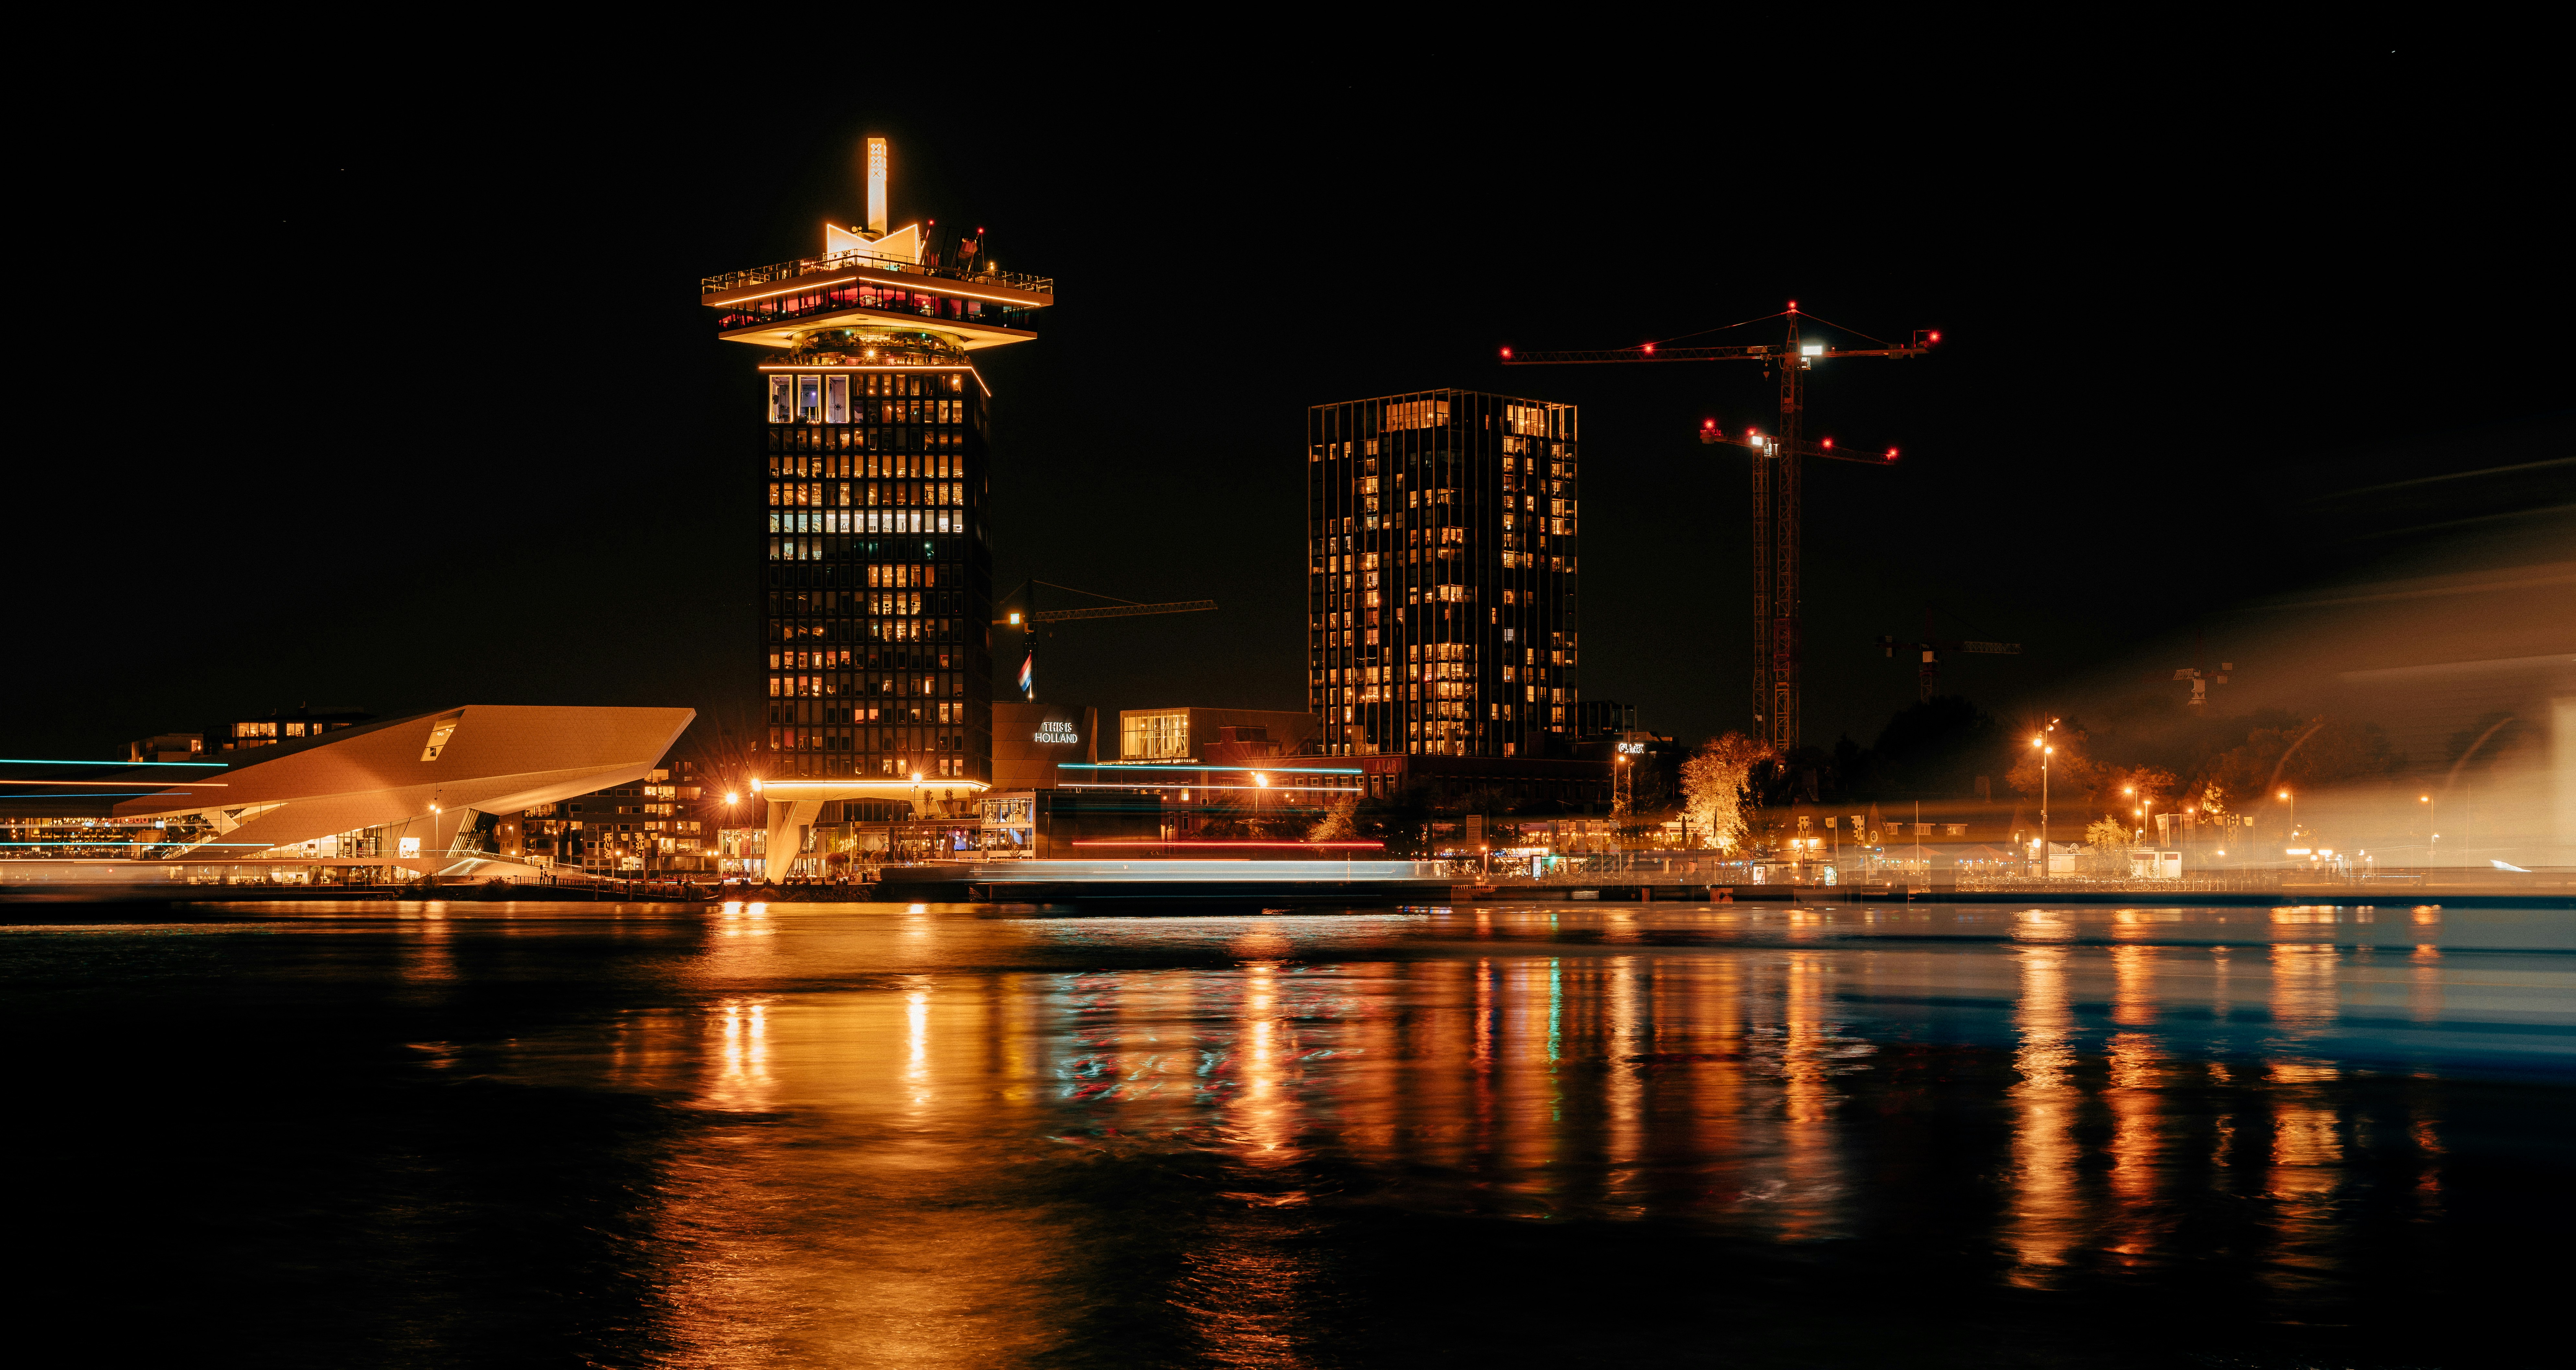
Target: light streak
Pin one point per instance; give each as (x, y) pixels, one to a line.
(210, 784)
(37, 761)
(1202, 766)
(1215, 842)
(1168, 784)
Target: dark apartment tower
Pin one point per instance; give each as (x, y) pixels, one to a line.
(1441, 574)
(874, 669)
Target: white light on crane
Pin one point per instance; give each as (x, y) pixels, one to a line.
(1811, 349)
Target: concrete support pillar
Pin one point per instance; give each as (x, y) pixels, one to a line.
(789, 821)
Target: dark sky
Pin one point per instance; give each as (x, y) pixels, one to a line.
(391, 390)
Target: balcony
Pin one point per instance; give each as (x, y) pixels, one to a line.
(863, 259)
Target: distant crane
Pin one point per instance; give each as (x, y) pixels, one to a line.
(2201, 680)
(1030, 619)
(1927, 674)
(1776, 498)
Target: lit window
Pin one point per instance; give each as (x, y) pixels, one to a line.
(439, 732)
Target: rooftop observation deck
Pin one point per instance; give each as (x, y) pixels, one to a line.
(734, 284)
(769, 305)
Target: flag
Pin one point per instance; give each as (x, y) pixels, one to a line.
(1028, 676)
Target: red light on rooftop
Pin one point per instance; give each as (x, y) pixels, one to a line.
(1708, 423)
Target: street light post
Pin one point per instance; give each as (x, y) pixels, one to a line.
(2432, 816)
(2045, 752)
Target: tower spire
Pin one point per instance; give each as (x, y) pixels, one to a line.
(877, 187)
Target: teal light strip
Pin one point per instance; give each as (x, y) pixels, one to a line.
(33, 761)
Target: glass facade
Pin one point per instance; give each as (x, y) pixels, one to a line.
(1441, 574)
(877, 654)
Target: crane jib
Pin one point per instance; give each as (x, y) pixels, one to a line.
(1777, 520)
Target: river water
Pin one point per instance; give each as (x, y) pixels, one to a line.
(936, 1135)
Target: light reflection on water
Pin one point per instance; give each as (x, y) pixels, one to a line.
(949, 1136)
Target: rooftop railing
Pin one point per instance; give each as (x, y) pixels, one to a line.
(861, 257)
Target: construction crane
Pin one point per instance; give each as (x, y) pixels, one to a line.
(1776, 489)
(2201, 679)
(1927, 675)
(1032, 618)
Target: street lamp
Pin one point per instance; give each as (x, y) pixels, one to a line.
(2433, 845)
(2294, 814)
(2045, 751)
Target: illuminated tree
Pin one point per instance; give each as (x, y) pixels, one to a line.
(1714, 782)
(1336, 824)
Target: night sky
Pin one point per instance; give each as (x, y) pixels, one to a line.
(396, 393)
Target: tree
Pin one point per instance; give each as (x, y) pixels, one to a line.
(1335, 825)
(1938, 746)
(2133, 787)
(2321, 752)
(2070, 772)
(1714, 781)
(2107, 834)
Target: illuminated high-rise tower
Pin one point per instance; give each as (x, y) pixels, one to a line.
(875, 669)
(1441, 574)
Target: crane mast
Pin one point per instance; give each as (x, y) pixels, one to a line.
(1778, 498)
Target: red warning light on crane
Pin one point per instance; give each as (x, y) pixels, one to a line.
(1507, 352)
(1650, 347)
(1891, 454)
(1829, 444)
(1936, 335)
(1793, 306)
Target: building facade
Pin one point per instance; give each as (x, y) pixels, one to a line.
(399, 798)
(875, 665)
(281, 725)
(661, 822)
(1442, 574)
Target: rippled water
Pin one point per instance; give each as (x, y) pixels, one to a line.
(959, 1135)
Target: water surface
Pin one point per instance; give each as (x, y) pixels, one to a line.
(964, 1135)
